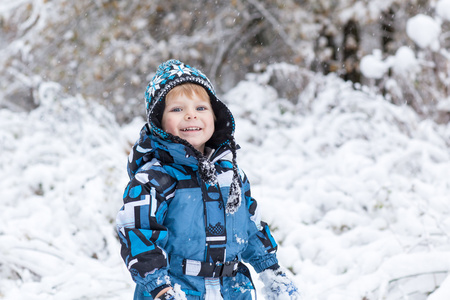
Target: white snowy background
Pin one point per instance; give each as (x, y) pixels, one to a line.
(355, 189)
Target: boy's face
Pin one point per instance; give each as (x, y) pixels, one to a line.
(189, 117)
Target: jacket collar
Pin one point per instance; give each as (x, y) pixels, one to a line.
(150, 146)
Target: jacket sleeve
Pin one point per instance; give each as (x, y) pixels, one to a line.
(262, 247)
(139, 225)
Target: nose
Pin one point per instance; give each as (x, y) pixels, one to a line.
(190, 115)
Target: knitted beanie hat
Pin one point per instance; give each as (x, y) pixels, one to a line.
(171, 74)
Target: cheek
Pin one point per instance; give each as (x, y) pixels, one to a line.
(211, 125)
(167, 124)
(163, 125)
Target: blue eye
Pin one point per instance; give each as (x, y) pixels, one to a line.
(201, 108)
(176, 109)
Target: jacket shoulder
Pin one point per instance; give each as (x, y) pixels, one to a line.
(154, 174)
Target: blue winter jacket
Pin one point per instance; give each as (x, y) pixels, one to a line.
(162, 221)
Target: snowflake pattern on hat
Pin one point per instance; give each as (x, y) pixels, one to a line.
(154, 85)
(168, 73)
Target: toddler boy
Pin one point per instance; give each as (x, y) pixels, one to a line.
(188, 219)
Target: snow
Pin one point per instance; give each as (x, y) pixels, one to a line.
(351, 183)
(405, 62)
(424, 31)
(62, 169)
(355, 190)
(442, 292)
(278, 286)
(443, 9)
(372, 65)
(444, 105)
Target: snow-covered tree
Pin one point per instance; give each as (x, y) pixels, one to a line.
(107, 50)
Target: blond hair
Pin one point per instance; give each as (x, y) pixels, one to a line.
(189, 89)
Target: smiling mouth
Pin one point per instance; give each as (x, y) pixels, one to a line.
(191, 129)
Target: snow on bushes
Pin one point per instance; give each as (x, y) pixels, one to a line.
(354, 188)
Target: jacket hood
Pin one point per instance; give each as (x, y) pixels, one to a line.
(149, 146)
(171, 74)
